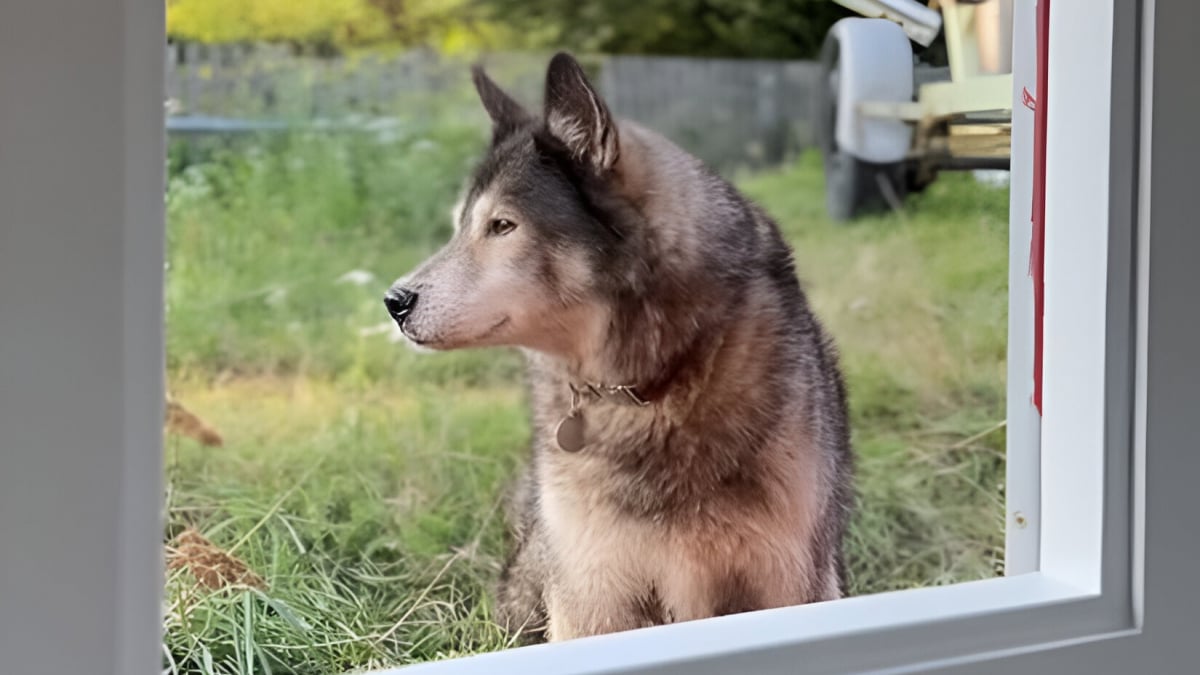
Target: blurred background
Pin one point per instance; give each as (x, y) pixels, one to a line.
(679, 67)
(335, 498)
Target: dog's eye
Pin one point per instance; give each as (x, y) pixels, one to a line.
(501, 226)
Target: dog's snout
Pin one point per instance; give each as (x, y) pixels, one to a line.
(400, 303)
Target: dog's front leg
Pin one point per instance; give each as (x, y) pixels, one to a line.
(520, 603)
(578, 607)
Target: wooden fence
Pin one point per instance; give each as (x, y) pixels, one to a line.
(729, 112)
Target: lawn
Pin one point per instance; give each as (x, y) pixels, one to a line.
(355, 503)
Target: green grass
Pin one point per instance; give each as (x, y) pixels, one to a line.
(362, 481)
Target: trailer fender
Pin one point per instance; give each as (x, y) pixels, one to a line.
(875, 63)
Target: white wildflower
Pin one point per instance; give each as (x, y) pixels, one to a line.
(356, 277)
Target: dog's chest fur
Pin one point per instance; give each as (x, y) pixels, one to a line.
(686, 501)
(687, 536)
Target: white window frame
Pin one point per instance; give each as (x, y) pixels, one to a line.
(1023, 486)
(81, 253)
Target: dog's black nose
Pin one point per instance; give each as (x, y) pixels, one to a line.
(399, 303)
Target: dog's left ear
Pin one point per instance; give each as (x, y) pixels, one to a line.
(577, 116)
(505, 112)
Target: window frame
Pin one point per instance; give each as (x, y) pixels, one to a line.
(1092, 562)
(1023, 422)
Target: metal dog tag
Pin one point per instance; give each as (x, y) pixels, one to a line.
(569, 433)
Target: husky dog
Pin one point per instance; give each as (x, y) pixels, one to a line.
(691, 455)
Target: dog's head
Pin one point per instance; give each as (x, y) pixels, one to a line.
(536, 233)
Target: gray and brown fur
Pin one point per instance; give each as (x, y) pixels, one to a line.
(609, 255)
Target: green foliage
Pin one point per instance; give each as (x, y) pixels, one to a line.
(714, 28)
(267, 20)
(363, 481)
(325, 25)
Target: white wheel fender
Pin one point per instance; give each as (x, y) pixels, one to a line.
(875, 63)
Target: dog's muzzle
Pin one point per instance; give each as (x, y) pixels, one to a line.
(400, 303)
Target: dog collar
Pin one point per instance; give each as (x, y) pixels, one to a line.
(624, 394)
(569, 434)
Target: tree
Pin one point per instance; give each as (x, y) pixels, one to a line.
(333, 25)
(716, 28)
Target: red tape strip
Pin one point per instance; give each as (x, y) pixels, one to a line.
(1037, 253)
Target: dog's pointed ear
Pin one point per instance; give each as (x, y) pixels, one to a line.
(577, 116)
(505, 112)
